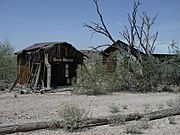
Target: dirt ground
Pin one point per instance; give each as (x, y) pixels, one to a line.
(38, 107)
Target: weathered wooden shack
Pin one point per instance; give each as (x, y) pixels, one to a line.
(116, 52)
(113, 54)
(49, 64)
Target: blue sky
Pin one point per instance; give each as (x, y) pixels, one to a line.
(24, 22)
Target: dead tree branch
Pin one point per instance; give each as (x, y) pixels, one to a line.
(99, 28)
(140, 33)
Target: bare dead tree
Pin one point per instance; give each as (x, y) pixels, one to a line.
(141, 32)
(146, 40)
(130, 34)
(135, 34)
(99, 28)
(173, 47)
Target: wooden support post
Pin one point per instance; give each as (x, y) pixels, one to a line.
(48, 71)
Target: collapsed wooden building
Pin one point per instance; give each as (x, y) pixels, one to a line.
(46, 65)
(116, 52)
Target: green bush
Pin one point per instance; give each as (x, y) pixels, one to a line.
(170, 74)
(93, 80)
(129, 75)
(117, 119)
(172, 120)
(72, 116)
(133, 128)
(114, 108)
(147, 75)
(135, 76)
(137, 126)
(8, 65)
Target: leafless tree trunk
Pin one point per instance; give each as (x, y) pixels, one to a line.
(135, 34)
(142, 31)
(99, 28)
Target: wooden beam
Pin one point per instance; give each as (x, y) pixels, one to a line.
(48, 71)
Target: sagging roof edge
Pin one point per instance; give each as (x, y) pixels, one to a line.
(44, 45)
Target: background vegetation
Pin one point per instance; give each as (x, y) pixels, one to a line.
(152, 74)
(8, 64)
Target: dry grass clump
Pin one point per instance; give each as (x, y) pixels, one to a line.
(117, 119)
(172, 120)
(72, 116)
(147, 108)
(137, 127)
(114, 108)
(161, 106)
(170, 103)
(144, 123)
(133, 128)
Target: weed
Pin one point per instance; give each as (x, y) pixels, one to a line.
(146, 108)
(136, 128)
(114, 108)
(160, 106)
(144, 123)
(133, 128)
(172, 120)
(170, 103)
(117, 119)
(72, 116)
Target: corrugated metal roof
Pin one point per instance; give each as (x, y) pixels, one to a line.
(41, 45)
(37, 46)
(121, 45)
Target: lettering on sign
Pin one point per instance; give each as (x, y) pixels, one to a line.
(62, 60)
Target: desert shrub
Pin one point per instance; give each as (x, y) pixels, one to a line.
(72, 116)
(8, 65)
(114, 108)
(172, 120)
(133, 128)
(146, 75)
(137, 76)
(93, 80)
(117, 119)
(129, 74)
(161, 106)
(171, 66)
(178, 101)
(136, 127)
(171, 71)
(144, 123)
(170, 103)
(147, 108)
